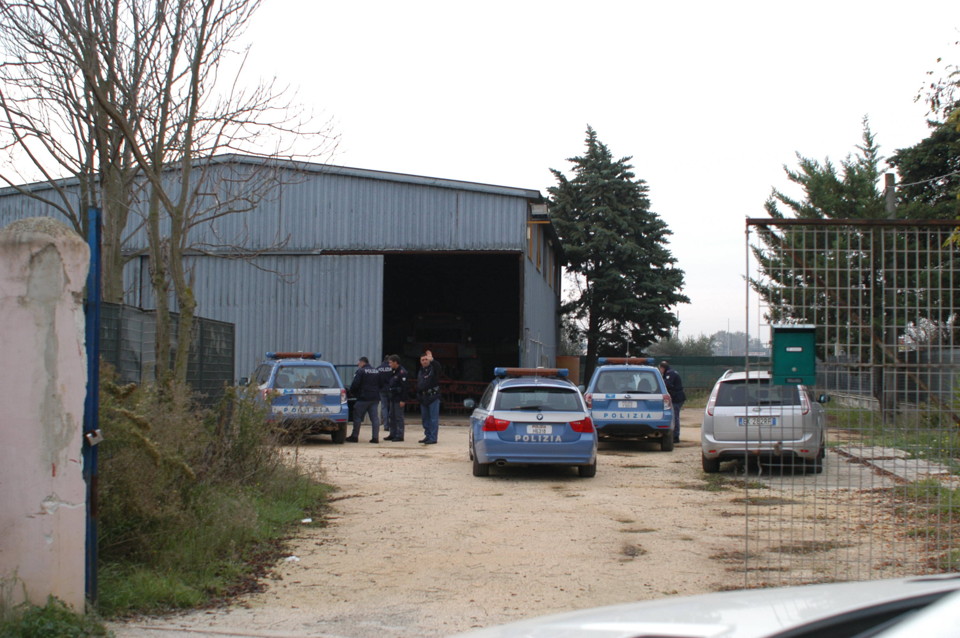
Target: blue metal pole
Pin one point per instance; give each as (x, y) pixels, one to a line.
(91, 408)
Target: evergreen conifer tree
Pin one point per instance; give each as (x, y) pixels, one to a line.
(617, 247)
(868, 284)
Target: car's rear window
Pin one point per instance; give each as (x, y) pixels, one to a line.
(305, 377)
(734, 393)
(624, 381)
(546, 399)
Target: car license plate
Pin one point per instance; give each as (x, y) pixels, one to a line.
(628, 404)
(539, 429)
(308, 399)
(757, 420)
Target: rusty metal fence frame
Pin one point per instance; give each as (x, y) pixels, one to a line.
(882, 296)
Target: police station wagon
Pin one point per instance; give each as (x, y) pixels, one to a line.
(305, 394)
(531, 416)
(628, 399)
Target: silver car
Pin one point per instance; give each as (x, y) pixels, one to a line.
(924, 606)
(748, 417)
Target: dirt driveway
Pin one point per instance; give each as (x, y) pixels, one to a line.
(417, 546)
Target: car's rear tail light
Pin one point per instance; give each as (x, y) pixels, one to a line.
(667, 404)
(804, 403)
(343, 396)
(588, 397)
(265, 394)
(491, 424)
(712, 401)
(584, 426)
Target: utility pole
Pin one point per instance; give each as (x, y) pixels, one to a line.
(890, 195)
(889, 359)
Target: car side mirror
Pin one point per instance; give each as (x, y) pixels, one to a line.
(244, 381)
(823, 398)
(469, 404)
(582, 388)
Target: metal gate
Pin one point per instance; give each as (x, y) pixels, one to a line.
(881, 296)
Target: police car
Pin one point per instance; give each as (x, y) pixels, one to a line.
(628, 399)
(531, 416)
(305, 394)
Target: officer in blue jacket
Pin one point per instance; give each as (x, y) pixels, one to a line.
(671, 378)
(366, 387)
(398, 391)
(385, 372)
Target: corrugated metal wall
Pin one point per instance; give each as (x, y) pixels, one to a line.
(319, 303)
(14, 207)
(541, 307)
(327, 211)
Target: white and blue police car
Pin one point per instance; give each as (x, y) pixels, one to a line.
(305, 394)
(628, 399)
(530, 416)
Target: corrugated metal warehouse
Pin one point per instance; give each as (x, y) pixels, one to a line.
(352, 262)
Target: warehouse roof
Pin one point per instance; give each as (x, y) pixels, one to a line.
(329, 169)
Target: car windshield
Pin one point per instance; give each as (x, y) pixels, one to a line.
(756, 392)
(626, 381)
(546, 399)
(262, 375)
(305, 377)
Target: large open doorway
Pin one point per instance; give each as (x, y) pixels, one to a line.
(465, 307)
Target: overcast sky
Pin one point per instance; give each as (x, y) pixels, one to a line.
(711, 99)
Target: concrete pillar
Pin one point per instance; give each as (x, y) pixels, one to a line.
(43, 269)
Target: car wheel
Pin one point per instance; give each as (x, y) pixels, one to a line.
(588, 471)
(666, 442)
(479, 469)
(814, 465)
(710, 466)
(340, 434)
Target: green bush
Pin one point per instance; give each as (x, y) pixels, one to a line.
(54, 620)
(188, 496)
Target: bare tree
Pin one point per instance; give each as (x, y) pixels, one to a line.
(147, 110)
(52, 128)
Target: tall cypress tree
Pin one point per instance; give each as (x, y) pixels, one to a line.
(618, 249)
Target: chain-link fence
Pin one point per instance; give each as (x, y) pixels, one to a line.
(127, 343)
(881, 297)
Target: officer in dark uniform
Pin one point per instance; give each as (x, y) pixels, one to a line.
(385, 372)
(398, 390)
(671, 378)
(366, 387)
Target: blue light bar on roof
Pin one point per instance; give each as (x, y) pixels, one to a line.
(634, 361)
(294, 355)
(531, 372)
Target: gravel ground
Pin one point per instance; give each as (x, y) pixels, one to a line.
(416, 546)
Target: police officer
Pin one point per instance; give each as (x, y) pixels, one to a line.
(366, 387)
(384, 372)
(428, 393)
(671, 378)
(398, 395)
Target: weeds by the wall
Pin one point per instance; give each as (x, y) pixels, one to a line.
(53, 619)
(187, 497)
